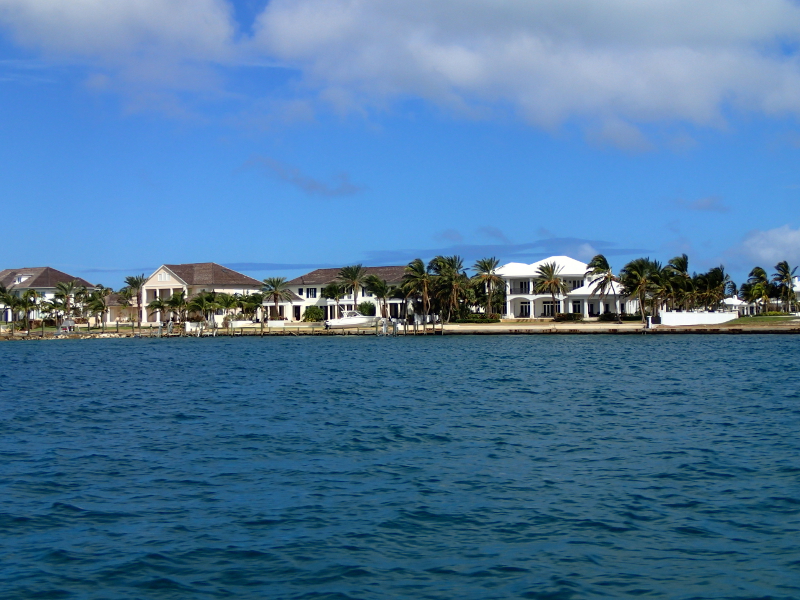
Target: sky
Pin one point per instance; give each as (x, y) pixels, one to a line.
(279, 136)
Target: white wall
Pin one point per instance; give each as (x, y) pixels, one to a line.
(696, 318)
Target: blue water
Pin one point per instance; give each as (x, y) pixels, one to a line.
(455, 467)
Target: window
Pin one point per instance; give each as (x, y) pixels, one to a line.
(311, 292)
(163, 276)
(299, 291)
(576, 306)
(548, 308)
(576, 283)
(524, 310)
(524, 287)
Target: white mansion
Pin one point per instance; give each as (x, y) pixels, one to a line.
(522, 302)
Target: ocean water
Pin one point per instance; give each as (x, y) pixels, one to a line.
(490, 467)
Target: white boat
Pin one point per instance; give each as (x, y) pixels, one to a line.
(351, 318)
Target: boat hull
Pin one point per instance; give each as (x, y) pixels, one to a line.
(348, 323)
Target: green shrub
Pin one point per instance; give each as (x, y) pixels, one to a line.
(561, 317)
(633, 317)
(608, 317)
(478, 318)
(367, 309)
(313, 314)
(774, 313)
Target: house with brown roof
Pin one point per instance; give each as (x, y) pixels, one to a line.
(43, 280)
(192, 279)
(309, 288)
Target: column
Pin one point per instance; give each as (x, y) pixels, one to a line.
(585, 304)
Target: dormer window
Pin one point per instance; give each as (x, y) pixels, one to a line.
(163, 276)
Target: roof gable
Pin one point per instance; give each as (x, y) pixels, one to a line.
(567, 267)
(209, 274)
(39, 278)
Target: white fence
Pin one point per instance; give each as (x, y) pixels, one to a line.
(674, 319)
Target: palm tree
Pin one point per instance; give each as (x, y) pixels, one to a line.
(98, 304)
(603, 278)
(5, 300)
(65, 291)
(177, 304)
(640, 278)
(677, 270)
(784, 278)
(718, 284)
(27, 304)
(451, 281)
(760, 286)
(417, 280)
(81, 300)
(135, 284)
(227, 302)
(48, 309)
(203, 303)
(334, 291)
(486, 276)
(249, 303)
(125, 298)
(158, 305)
(548, 282)
(382, 291)
(353, 278)
(277, 290)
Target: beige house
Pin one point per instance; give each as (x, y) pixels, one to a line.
(192, 279)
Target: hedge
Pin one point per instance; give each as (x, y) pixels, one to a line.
(561, 317)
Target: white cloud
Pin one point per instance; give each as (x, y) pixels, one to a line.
(613, 65)
(767, 248)
(195, 29)
(616, 62)
(149, 50)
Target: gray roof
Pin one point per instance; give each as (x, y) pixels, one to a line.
(326, 276)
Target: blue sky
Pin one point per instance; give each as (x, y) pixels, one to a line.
(276, 137)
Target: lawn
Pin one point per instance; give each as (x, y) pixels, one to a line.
(762, 321)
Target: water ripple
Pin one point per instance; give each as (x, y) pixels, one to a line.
(544, 468)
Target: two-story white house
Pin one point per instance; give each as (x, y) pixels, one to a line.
(43, 280)
(522, 302)
(309, 288)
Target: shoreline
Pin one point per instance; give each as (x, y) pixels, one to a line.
(791, 327)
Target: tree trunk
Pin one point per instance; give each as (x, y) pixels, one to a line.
(641, 307)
